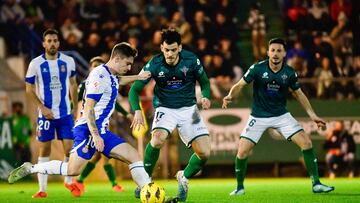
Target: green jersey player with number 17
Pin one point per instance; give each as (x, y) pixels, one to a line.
(175, 71)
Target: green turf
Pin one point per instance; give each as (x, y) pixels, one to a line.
(204, 190)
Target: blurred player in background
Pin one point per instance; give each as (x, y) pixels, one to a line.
(49, 79)
(272, 81)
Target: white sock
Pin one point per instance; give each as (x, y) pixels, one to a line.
(54, 167)
(139, 174)
(67, 179)
(42, 178)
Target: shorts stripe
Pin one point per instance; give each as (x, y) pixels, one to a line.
(60, 167)
(136, 167)
(289, 138)
(249, 139)
(189, 144)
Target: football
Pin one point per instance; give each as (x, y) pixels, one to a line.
(152, 193)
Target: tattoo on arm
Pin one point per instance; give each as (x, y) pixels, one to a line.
(91, 123)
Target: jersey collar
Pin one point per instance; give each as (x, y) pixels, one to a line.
(58, 55)
(282, 67)
(107, 69)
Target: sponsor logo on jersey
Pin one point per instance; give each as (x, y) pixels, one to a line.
(45, 70)
(161, 74)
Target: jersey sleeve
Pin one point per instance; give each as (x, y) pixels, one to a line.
(294, 82)
(95, 86)
(249, 76)
(31, 73)
(148, 67)
(199, 68)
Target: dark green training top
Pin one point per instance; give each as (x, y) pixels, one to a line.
(175, 85)
(81, 91)
(270, 89)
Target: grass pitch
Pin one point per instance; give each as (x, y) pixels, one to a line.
(200, 190)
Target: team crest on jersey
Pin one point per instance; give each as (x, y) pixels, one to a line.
(184, 70)
(85, 149)
(62, 68)
(284, 77)
(265, 75)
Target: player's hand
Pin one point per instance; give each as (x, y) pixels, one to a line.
(205, 103)
(143, 75)
(98, 142)
(138, 121)
(46, 112)
(130, 117)
(227, 100)
(321, 124)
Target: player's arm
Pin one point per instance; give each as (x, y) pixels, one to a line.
(30, 91)
(143, 75)
(234, 91)
(305, 103)
(89, 113)
(205, 90)
(134, 99)
(74, 95)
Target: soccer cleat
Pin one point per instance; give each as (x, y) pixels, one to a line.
(40, 194)
(20, 172)
(74, 189)
(79, 185)
(118, 188)
(182, 186)
(320, 188)
(137, 192)
(237, 192)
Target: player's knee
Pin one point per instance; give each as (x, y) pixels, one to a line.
(158, 139)
(203, 155)
(242, 154)
(73, 171)
(306, 144)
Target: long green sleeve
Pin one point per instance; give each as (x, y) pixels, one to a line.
(120, 109)
(134, 93)
(81, 91)
(205, 85)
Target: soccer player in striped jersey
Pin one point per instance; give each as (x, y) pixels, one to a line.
(49, 80)
(110, 172)
(91, 133)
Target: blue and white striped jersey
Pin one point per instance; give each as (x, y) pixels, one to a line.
(102, 86)
(52, 82)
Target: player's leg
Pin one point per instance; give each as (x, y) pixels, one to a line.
(128, 154)
(45, 134)
(250, 135)
(65, 134)
(304, 142)
(152, 150)
(90, 166)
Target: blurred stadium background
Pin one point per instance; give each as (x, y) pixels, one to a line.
(228, 35)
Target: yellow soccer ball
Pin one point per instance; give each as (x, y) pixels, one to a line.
(152, 193)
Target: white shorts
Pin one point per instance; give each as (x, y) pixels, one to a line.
(186, 119)
(285, 124)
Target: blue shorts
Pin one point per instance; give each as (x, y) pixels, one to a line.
(84, 145)
(63, 127)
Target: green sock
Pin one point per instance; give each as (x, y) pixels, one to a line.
(87, 170)
(150, 158)
(311, 165)
(194, 166)
(110, 173)
(240, 171)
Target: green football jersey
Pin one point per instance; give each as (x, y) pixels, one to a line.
(175, 85)
(270, 89)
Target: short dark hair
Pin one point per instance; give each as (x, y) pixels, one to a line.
(170, 36)
(278, 41)
(50, 31)
(98, 59)
(123, 49)
(17, 104)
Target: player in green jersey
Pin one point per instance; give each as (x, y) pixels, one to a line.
(175, 72)
(110, 172)
(272, 79)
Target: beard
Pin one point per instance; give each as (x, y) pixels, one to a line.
(52, 51)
